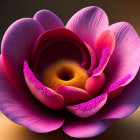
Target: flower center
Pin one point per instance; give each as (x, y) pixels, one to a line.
(65, 72)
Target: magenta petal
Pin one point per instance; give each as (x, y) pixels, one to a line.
(114, 86)
(126, 56)
(72, 95)
(48, 20)
(84, 128)
(93, 60)
(44, 94)
(16, 46)
(88, 108)
(88, 23)
(104, 48)
(23, 109)
(106, 53)
(126, 103)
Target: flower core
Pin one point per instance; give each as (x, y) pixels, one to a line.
(65, 72)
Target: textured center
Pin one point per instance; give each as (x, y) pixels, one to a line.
(65, 72)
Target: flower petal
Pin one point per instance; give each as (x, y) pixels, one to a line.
(48, 20)
(95, 84)
(126, 56)
(44, 94)
(89, 127)
(126, 103)
(104, 48)
(58, 44)
(16, 46)
(72, 95)
(23, 109)
(106, 53)
(88, 23)
(88, 108)
(93, 60)
(115, 86)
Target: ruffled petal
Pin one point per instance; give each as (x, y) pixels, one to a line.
(72, 95)
(88, 23)
(84, 128)
(23, 109)
(104, 48)
(88, 108)
(125, 59)
(126, 103)
(16, 46)
(44, 94)
(48, 20)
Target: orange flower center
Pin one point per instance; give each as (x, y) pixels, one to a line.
(65, 72)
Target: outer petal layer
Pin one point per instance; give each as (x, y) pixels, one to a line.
(16, 46)
(126, 56)
(24, 109)
(89, 127)
(45, 95)
(88, 23)
(126, 103)
(48, 20)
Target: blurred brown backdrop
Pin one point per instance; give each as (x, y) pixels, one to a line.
(117, 10)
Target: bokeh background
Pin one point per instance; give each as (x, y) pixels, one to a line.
(117, 10)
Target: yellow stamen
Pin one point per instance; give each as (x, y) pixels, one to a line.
(65, 72)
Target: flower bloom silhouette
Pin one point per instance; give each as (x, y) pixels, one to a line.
(78, 77)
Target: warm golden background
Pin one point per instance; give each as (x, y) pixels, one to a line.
(117, 10)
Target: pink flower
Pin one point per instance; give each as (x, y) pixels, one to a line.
(74, 77)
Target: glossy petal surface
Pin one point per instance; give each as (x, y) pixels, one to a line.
(23, 109)
(84, 128)
(48, 20)
(72, 95)
(44, 94)
(126, 55)
(16, 46)
(126, 103)
(88, 108)
(104, 48)
(88, 23)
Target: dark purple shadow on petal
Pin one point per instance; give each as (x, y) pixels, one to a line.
(24, 109)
